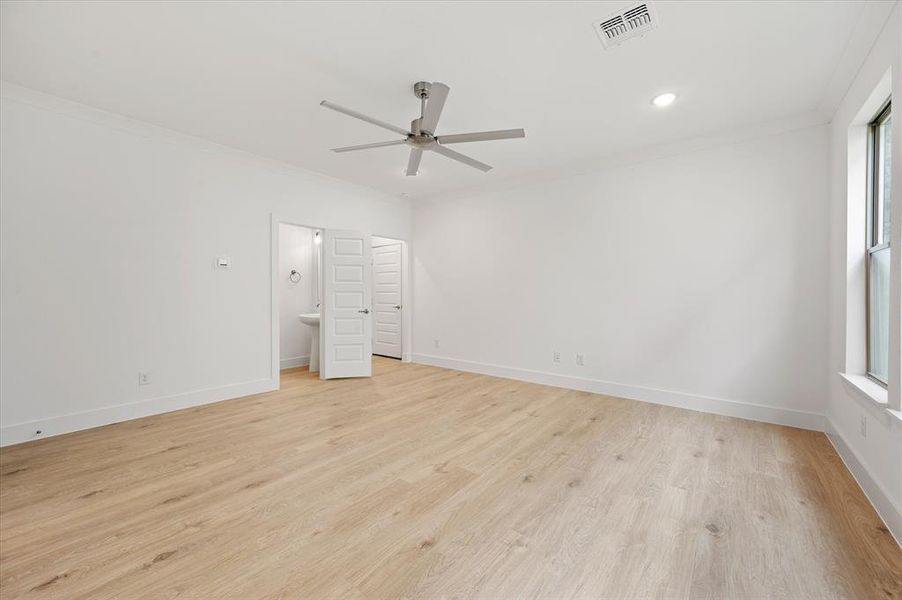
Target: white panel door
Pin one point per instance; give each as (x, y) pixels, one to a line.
(346, 343)
(387, 300)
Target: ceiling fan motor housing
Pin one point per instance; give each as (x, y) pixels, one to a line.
(423, 141)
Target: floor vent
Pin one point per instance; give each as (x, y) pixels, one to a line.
(618, 27)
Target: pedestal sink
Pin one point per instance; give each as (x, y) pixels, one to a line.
(311, 320)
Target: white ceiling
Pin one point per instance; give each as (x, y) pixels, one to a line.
(251, 75)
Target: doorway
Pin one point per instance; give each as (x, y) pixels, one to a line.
(298, 280)
(325, 293)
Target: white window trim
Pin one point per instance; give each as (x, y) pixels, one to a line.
(854, 376)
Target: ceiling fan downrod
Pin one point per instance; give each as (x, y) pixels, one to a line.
(421, 91)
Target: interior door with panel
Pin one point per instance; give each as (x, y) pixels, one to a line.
(387, 300)
(346, 343)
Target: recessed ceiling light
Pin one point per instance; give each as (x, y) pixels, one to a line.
(664, 100)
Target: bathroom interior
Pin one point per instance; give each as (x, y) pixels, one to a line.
(300, 296)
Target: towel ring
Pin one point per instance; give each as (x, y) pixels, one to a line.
(294, 276)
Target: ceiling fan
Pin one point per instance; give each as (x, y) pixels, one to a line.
(422, 130)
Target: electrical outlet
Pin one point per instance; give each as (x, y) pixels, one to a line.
(863, 426)
(556, 356)
(143, 378)
(579, 360)
(435, 343)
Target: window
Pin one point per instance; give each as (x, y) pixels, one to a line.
(878, 261)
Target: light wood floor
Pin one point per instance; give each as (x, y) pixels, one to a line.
(429, 483)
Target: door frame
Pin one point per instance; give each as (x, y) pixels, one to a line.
(274, 311)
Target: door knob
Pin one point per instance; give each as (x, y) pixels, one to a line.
(365, 311)
(398, 306)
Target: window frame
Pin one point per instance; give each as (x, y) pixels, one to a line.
(872, 223)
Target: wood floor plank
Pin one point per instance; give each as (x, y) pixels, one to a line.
(430, 483)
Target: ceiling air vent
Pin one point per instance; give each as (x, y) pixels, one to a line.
(622, 25)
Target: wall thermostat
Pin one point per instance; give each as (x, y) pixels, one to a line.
(223, 262)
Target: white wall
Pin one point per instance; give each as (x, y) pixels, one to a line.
(875, 458)
(108, 233)
(295, 253)
(697, 280)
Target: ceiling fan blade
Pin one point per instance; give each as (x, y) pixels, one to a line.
(413, 165)
(481, 136)
(368, 146)
(438, 93)
(363, 117)
(461, 158)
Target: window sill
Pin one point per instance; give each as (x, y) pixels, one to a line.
(871, 393)
(865, 389)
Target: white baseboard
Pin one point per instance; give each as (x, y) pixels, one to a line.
(23, 432)
(295, 361)
(872, 489)
(717, 406)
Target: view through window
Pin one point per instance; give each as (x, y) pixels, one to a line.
(878, 256)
